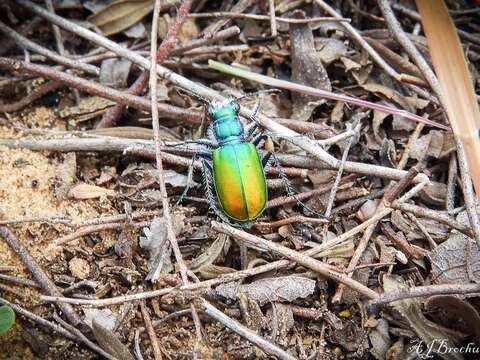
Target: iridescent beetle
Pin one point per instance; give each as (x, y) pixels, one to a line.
(233, 166)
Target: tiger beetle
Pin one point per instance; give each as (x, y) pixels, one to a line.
(232, 165)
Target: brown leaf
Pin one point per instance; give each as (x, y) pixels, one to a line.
(285, 288)
(456, 261)
(307, 68)
(211, 254)
(410, 309)
(455, 313)
(120, 15)
(84, 191)
(110, 342)
(114, 72)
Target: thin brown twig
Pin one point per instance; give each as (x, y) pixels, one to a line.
(83, 339)
(39, 320)
(157, 353)
(158, 56)
(429, 290)
(112, 116)
(56, 30)
(91, 87)
(238, 275)
(19, 280)
(42, 279)
(299, 258)
(391, 193)
(266, 346)
(205, 92)
(434, 215)
(34, 95)
(273, 19)
(89, 229)
(25, 43)
(234, 15)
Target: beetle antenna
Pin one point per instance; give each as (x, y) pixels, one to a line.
(198, 97)
(256, 93)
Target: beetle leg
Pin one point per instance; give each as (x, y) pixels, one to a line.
(207, 143)
(289, 188)
(191, 170)
(266, 159)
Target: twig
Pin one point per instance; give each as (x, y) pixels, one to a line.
(156, 132)
(303, 143)
(39, 320)
(333, 192)
(56, 30)
(468, 192)
(451, 183)
(34, 95)
(361, 41)
(83, 339)
(112, 116)
(166, 47)
(41, 278)
(91, 87)
(47, 219)
(25, 43)
(291, 220)
(264, 345)
(429, 290)
(434, 215)
(399, 242)
(94, 228)
(19, 280)
(391, 193)
(433, 244)
(273, 19)
(284, 200)
(397, 32)
(157, 353)
(299, 258)
(233, 15)
(221, 35)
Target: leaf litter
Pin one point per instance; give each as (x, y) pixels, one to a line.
(126, 250)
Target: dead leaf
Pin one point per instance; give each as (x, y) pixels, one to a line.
(114, 72)
(330, 49)
(388, 93)
(104, 317)
(424, 328)
(350, 64)
(380, 339)
(456, 261)
(157, 244)
(434, 194)
(307, 68)
(209, 256)
(282, 323)
(284, 288)
(120, 15)
(110, 342)
(455, 313)
(84, 191)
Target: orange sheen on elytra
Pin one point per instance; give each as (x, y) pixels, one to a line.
(240, 181)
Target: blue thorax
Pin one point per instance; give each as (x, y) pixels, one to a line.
(226, 123)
